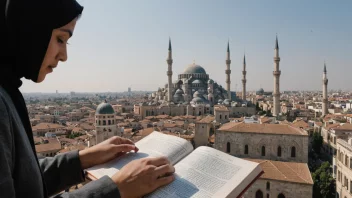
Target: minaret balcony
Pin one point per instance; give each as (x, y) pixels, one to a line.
(228, 62)
(228, 71)
(325, 81)
(244, 72)
(169, 61)
(169, 73)
(277, 73)
(244, 81)
(228, 81)
(276, 59)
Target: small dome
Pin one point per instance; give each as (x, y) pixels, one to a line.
(197, 82)
(104, 108)
(197, 94)
(194, 69)
(226, 102)
(261, 90)
(220, 101)
(210, 81)
(179, 92)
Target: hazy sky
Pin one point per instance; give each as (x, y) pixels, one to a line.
(117, 44)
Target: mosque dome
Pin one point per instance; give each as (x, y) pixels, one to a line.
(261, 90)
(220, 101)
(104, 108)
(197, 94)
(194, 69)
(226, 102)
(197, 82)
(179, 91)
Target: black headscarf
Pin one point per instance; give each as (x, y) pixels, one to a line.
(25, 30)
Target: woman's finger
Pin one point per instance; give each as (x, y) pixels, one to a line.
(163, 170)
(124, 148)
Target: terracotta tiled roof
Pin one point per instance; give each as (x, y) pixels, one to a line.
(220, 108)
(301, 124)
(285, 171)
(207, 119)
(43, 126)
(319, 124)
(332, 126)
(53, 145)
(347, 127)
(169, 125)
(261, 128)
(163, 117)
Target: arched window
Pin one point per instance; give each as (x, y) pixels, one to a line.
(293, 151)
(246, 149)
(228, 147)
(99, 122)
(268, 185)
(200, 113)
(281, 195)
(259, 194)
(263, 150)
(225, 116)
(104, 122)
(109, 122)
(279, 151)
(220, 116)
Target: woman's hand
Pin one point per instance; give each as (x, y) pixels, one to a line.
(105, 151)
(143, 176)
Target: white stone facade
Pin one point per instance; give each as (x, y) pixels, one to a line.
(343, 169)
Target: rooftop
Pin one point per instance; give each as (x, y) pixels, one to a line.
(262, 128)
(285, 171)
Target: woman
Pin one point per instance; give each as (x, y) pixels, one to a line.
(34, 35)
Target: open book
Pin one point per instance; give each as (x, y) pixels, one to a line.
(203, 172)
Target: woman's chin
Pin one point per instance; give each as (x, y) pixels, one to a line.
(40, 79)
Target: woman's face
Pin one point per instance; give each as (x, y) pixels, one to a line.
(57, 50)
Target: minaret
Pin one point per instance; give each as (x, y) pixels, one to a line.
(244, 80)
(276, 73)
(169, 73)
(228, 71)
(325, 93)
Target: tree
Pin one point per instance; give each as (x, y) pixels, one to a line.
(317, 142)
(324, 184)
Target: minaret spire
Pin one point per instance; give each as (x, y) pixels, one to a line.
(244, 80)
(325, 92)
(276, 74)
(228, 71)
(169, 72)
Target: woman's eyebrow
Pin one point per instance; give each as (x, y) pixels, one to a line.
(68, 31)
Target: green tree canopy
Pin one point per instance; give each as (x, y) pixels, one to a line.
(324, 184)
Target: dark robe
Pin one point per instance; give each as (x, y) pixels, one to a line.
(25, 29)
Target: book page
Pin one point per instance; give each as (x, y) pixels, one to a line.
(207, 172)
(154, 145)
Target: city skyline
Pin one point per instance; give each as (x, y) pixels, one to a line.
(117, 45)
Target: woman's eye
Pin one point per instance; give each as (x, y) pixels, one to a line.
(60, 40)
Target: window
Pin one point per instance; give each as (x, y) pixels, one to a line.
(104, 122)
(246, 149)
(293, 151)
(220, 116)
(225, 116)
(346, 160)
(228, 147)
(351, 162)
(263, 150)
(279, 151)
(267, 195)
(268, 185)
(350, 186)
(281, 195)
(99, 122)
(259, 194)
(109, 122)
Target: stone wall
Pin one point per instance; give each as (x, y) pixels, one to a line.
(288, 189)
(256, 141)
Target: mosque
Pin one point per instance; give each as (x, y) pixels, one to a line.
(195, 93)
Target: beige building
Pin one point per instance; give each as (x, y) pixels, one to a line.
(343, 168)
(282, 180)
(279, 142)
